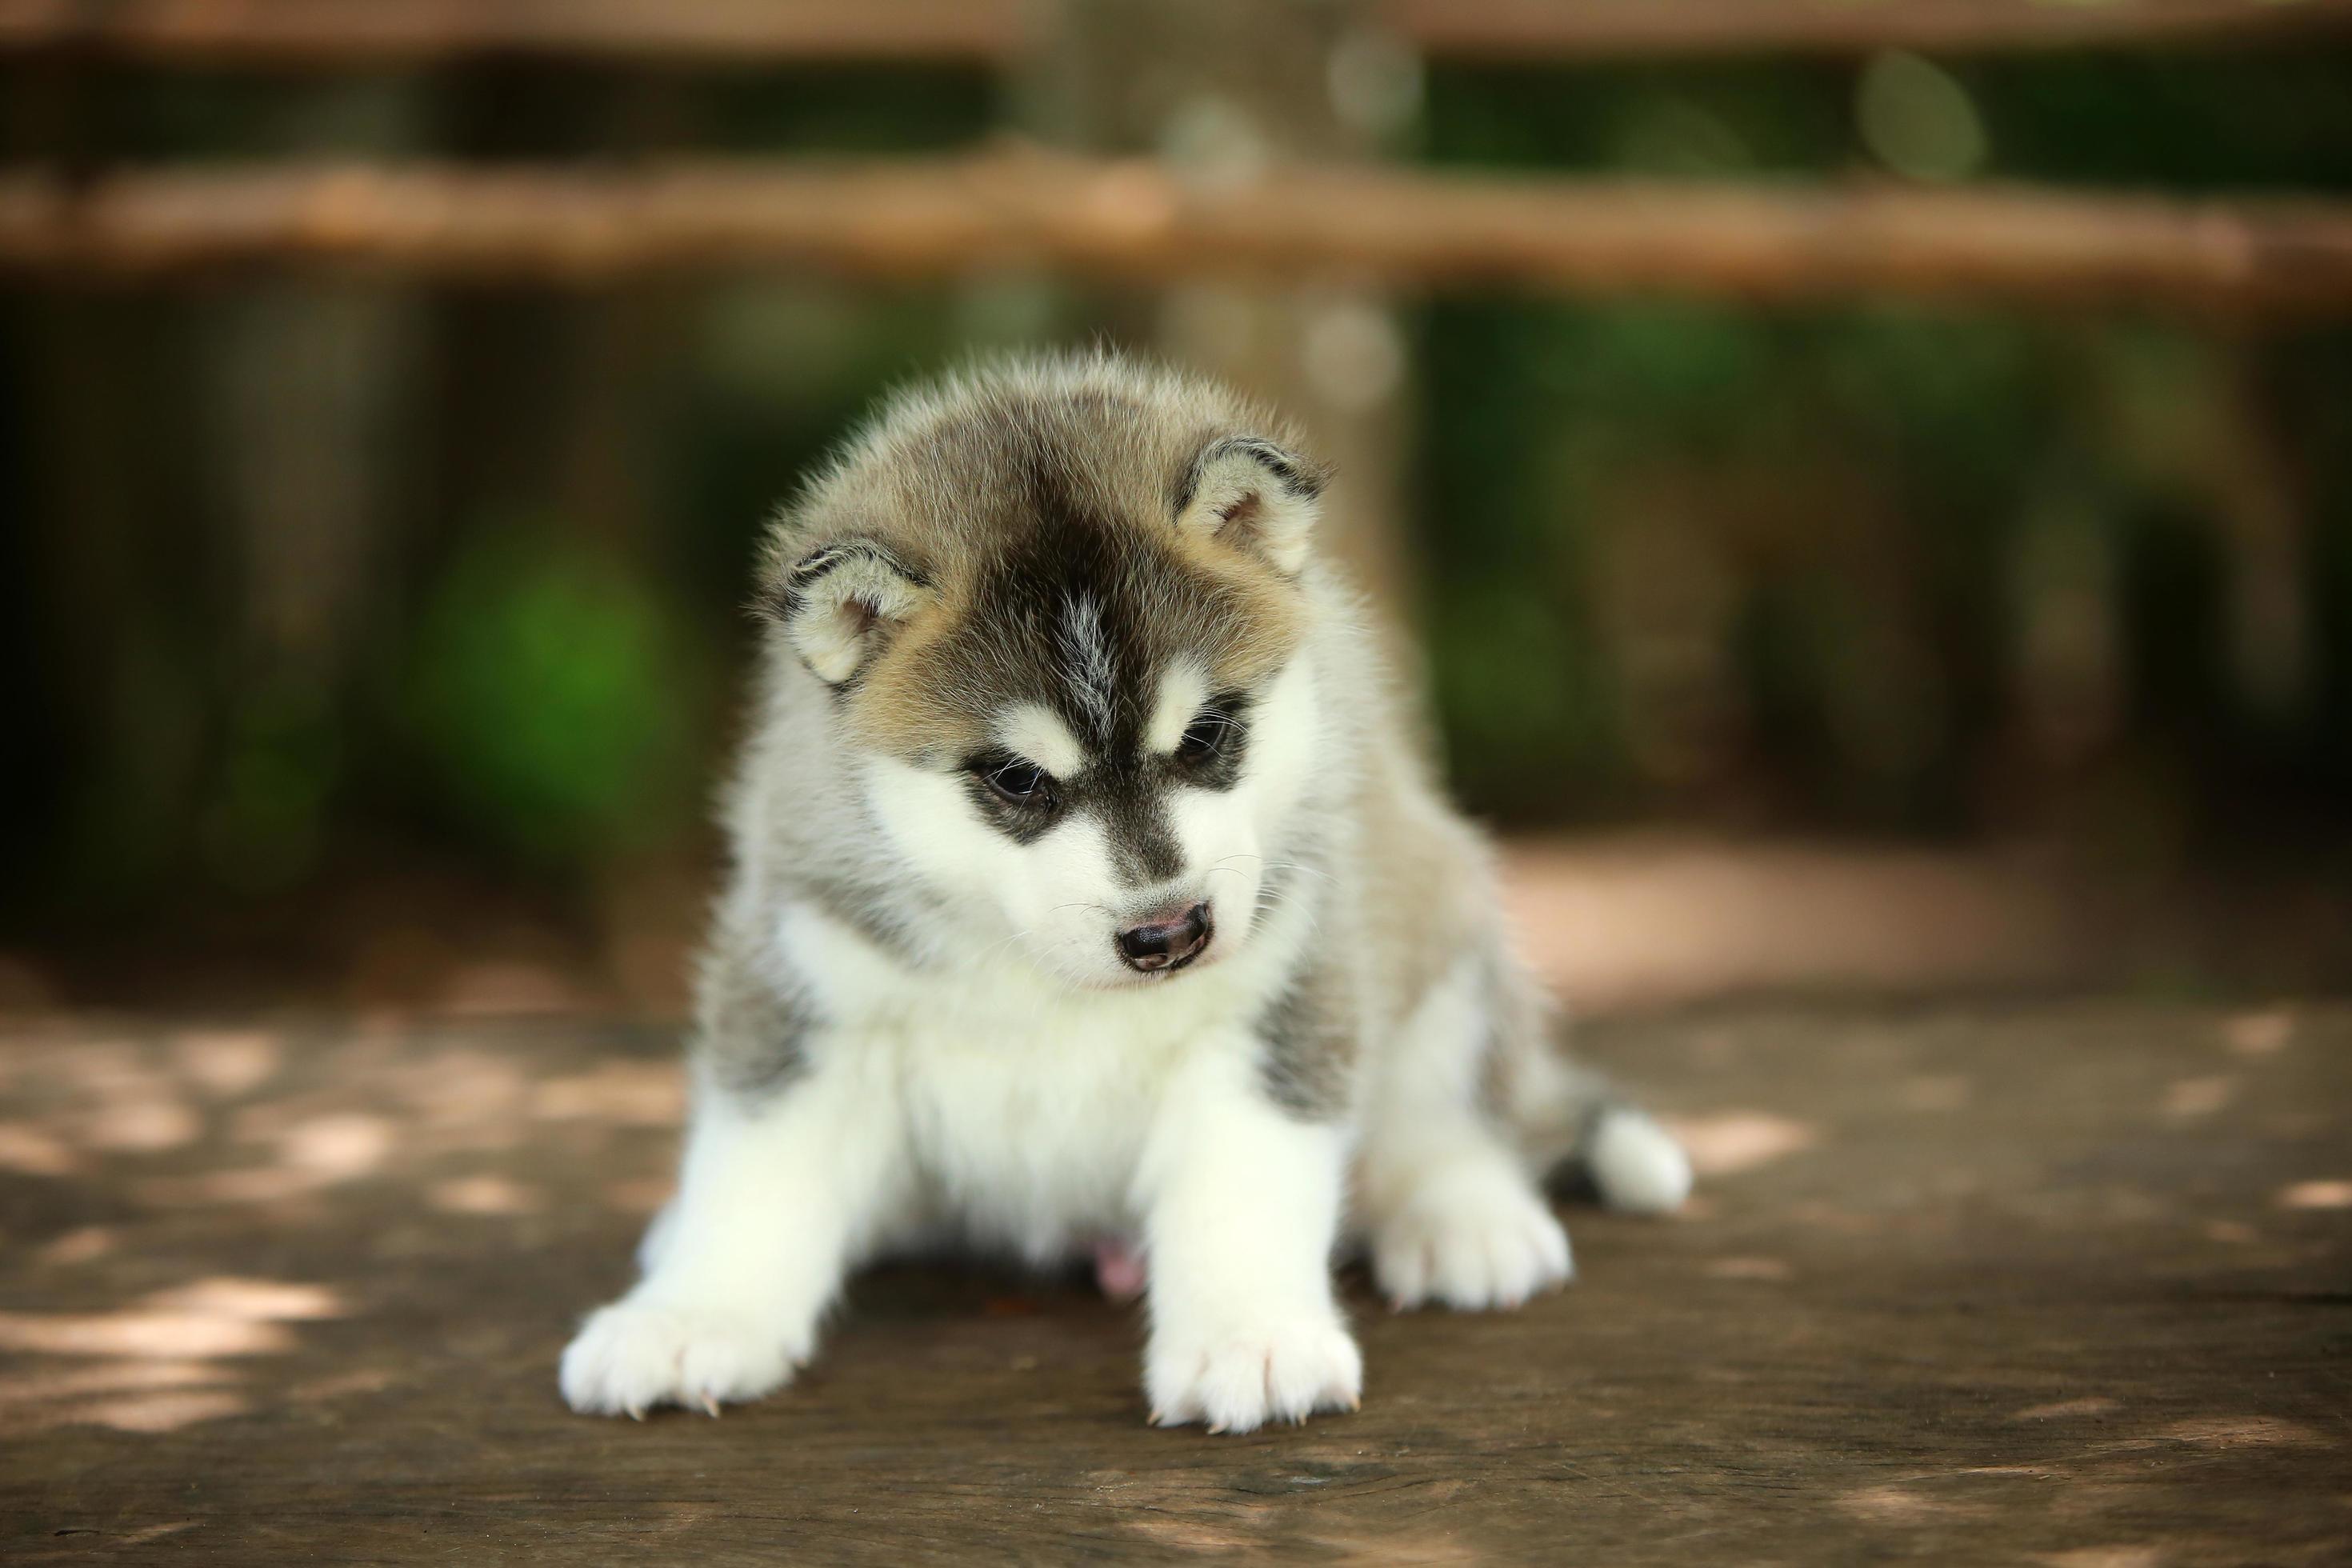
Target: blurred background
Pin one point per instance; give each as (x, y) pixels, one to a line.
(1914, 605)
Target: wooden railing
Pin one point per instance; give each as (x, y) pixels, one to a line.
(1133, 220)
(330, 32)
(1136, 221)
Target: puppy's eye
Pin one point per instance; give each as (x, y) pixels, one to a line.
(1023, 784)
(1205, 739)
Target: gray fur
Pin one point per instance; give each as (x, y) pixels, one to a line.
(1312, 1039)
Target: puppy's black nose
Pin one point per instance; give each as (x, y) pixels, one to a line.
(1166, 943)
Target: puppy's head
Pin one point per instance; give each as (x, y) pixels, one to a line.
(1058, 614)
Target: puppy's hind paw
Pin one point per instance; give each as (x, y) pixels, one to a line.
(1474, 1240)
(631, 1357)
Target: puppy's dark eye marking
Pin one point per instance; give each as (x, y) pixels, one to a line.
(1018, 782)
(1209, 754)
(1015, 780)
(1204, 738)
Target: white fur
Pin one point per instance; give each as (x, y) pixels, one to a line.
(1089, 653)
(1035, 731)
(1243, 1206)
(1452, 1213)
(1051, 1122)
(1033, 1107)
(1637, 1164)
(1058, 900)
(1183, 688)
(774, 1203)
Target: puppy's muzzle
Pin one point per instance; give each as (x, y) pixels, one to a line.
(1167, 944)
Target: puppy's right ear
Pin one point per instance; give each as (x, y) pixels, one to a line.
(842, 603)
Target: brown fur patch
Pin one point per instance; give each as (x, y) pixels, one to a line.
(975, 480)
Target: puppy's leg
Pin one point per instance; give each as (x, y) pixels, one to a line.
(777, 1193)
(1242, 1201)
(1453, 1212)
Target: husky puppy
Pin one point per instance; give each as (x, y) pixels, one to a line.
(1089, 893)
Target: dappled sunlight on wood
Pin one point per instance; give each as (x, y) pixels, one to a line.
(262, 1185)
(129, 1396)
(457, 1088)
(1730, 1142)
(486, 1196)
(156, 1412)
(2327, 1194)
(32, 1151)
(1933, 1252)
(253, 1301)
(2109, 1557)
(36, 1386)
(339, 1148)
(1903, 1505)
(2189, 1098)
(142, 1126)
(168, 1361)
(2260, 1034)
(138, 1333)
(228, 1063)
(641, 1094)
(2245, 1431)
(85, 1244)
(644, 1195)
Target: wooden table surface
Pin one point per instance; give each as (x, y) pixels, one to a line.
(2061, 1282)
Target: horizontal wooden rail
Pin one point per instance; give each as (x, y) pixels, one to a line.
(334, 32)
(1568, 29)
(1023, 209)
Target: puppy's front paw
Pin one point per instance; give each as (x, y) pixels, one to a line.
(1472, 1239)
(1238, 1378)
(629, 1357)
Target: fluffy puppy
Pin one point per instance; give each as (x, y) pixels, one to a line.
(1089, 892)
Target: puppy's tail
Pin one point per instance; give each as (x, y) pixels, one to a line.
(1575, 1126)
(1633, 1163)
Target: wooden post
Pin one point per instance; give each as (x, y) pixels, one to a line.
(1220, 93)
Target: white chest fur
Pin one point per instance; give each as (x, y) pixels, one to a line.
(1024, 1106)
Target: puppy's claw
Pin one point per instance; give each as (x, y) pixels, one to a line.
(711, 1403)
(636, 1412)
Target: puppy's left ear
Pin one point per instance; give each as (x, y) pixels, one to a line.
(840, 604)
(1253, 495)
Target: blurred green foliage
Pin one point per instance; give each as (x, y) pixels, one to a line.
(1876, 567)
(556, 695)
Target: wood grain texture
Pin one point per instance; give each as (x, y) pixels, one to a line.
(1137, 221)
(2062, 1283)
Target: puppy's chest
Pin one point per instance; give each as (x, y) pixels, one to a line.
(1028, 1129)
(1025, 1108)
